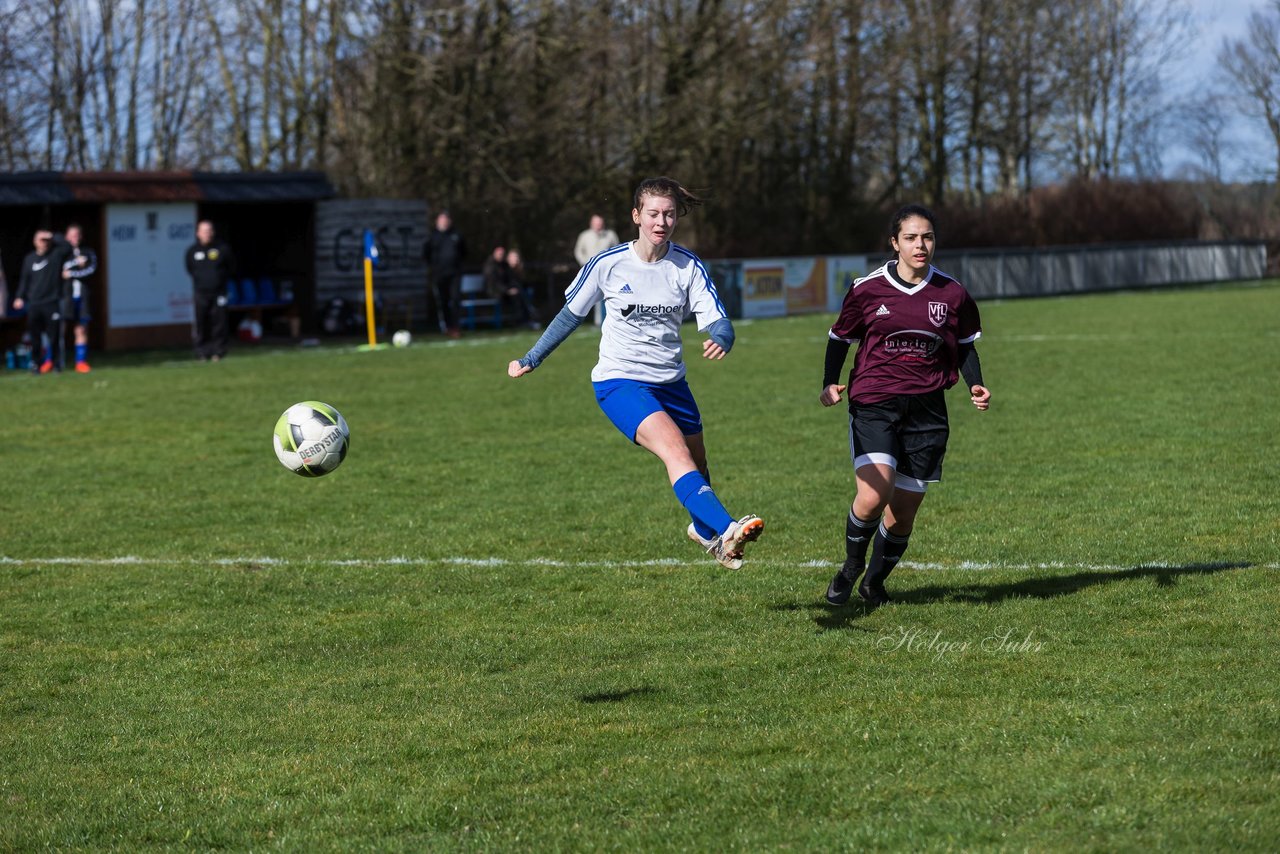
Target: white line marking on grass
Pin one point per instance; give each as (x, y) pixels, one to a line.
(970, 566)
(985, 566)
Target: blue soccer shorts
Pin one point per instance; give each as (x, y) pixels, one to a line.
(629, 402)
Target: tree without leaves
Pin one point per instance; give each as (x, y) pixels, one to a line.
(1254, 64)
(802, 122)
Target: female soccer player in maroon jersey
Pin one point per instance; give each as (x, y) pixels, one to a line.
(915, 327)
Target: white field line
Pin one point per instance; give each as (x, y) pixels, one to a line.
(357, 563)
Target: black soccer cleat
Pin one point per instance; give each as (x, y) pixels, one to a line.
(841, 586)
(874, 593)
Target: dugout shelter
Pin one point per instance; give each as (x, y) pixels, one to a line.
(141, 223)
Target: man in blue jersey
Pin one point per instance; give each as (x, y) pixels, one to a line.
(648, 287)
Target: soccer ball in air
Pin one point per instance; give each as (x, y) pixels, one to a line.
(311, 438)
(402, 338)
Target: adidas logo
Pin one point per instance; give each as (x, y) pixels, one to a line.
(881, 311)
(626, 289)
(703, 489)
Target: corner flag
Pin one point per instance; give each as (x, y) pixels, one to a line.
(370, 258)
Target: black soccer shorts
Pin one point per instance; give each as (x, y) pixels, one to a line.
(908, 432)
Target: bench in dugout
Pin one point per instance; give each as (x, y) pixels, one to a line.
(259, 300)
(477, 306)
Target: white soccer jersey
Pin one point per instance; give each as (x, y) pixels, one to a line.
(644, 305)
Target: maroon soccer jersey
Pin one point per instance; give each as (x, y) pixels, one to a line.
(909, 334)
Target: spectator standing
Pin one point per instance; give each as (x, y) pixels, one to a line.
(40, 291)
(76, 270)
(444, 252)
(591, 243)
(210, 264)
(594, 240)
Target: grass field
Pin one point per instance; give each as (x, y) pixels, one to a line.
(488, 631)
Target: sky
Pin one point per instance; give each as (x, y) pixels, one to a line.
(1251, 153)
(1223, 18)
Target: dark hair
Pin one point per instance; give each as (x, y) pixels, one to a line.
(905, 213)
(667, 188)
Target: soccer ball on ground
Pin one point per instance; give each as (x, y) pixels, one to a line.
(402, 338)
(311, 438)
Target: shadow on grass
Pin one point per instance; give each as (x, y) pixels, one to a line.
(618, 696)
(1043, 587)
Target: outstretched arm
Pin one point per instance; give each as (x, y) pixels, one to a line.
(557, 330)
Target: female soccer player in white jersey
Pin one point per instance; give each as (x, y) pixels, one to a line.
(915, 327)
(649, 286)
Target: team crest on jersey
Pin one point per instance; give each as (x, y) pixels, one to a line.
(937, 313)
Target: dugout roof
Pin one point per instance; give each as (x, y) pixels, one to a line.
(63, 188)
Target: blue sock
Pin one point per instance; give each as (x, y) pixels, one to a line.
(82, 352)
(697, 496)
(703, 530)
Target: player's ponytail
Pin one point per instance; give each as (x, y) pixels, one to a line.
(666, 188)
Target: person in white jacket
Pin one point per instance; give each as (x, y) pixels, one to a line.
(594, 240)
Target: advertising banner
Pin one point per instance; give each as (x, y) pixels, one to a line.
(841, 272)
(773, 287)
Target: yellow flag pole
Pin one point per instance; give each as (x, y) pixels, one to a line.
(370, 252)
(368, 299)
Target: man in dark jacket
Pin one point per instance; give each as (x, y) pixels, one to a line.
(76, 270)
(211, 265)
(444, 252)
(40, 291)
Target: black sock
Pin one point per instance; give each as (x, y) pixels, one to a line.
(857, 537)
(885, 553)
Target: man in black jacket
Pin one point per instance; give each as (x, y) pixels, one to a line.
(40, 291)
(210, 264)
(444, 252)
